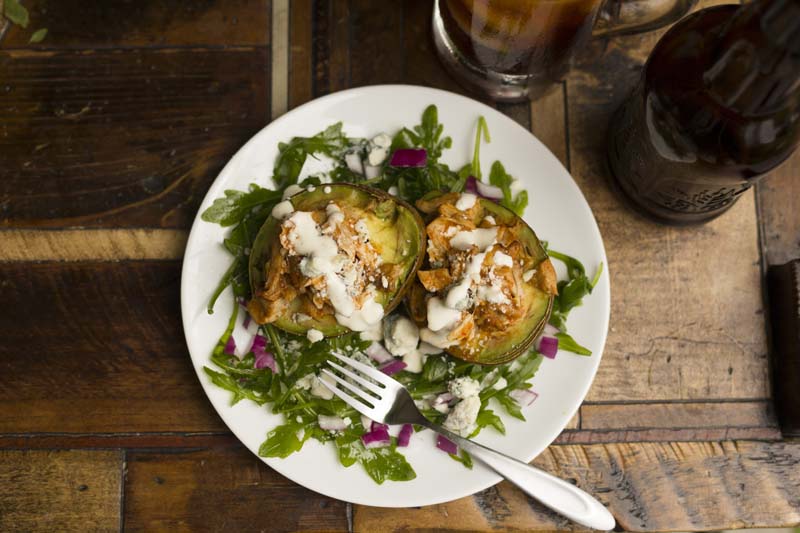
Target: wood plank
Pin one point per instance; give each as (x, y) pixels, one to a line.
(778, 199)
(280, 58)
(687, 317)
(648, 487)
(549, 122)
(378, 47)
(128, 441)
(96, 347)
(331, 47)
(72, 23)
(678, 415)
(91, 244)
(300, 51)
(220, 489)
(594, 436)
(122, 138)
(519, 112)
(195, 440)
(60, 490)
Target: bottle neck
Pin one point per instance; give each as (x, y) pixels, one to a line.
(756, 64)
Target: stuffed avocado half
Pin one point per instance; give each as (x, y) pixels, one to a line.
(333, 259)
(487, 286)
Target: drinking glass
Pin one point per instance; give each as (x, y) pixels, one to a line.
(514, 49)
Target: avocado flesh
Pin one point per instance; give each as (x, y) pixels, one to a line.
(538, 296)
(396, 232)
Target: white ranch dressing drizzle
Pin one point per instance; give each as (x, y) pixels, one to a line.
(322, 258)
(480, 237)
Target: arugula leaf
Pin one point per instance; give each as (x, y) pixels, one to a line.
(503, 180)
(380, 463)
(415, 182)
(476, 158)
(292, 155)
(227, 382)
(219, 349)
(231, 208)
(527, 366)
(233, 272)
(566, 342)
(283, 441)
(510, 404)
(435, 368)
(429, 133)
(463, 457)
(487, 417)
(572, 290)
(38, 36)
(16, 13)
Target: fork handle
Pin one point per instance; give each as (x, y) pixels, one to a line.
(552, 492)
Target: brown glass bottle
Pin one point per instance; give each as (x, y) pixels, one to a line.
(718, 106)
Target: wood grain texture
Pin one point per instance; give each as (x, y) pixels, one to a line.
(77, 24)
(91, 244)
(519, 112)
(300, 52)
(548, 122)
(122, 138)
(331, 47)
(678, 415)
(60, 490)
(667, 435)
(279, 67)
(687, 317)
(96, 347)
(778, 198)
(647, 486)
(220, 490)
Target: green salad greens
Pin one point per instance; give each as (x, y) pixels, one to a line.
(283, 383)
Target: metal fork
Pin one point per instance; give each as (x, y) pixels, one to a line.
(385, 400)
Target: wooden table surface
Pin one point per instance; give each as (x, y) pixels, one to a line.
(111, 131)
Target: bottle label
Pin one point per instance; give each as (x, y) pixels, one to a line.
(691, 200)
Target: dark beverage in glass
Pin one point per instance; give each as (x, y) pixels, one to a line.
(717, 107)
(512, 49)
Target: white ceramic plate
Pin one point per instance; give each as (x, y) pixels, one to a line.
(558, 213)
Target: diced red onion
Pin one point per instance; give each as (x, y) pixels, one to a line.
(404, 437)
(247, 319)
(259, 342)
(230, 346)
(376, 439)
(550, 330)
(241, 301)
(547, 346)
(446, 445)
(489, 191)
(471, 185)
(445, 397)
(525, 397)
(393, 367)
(265, 360)
(331, 423)
(378, 353)
(409, 157)
(375, 426)
(484, 190)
